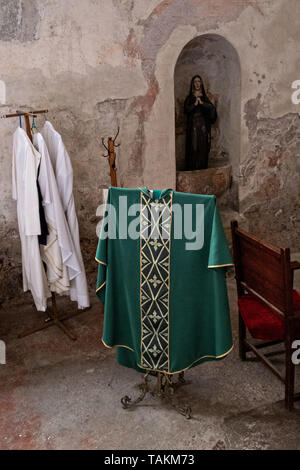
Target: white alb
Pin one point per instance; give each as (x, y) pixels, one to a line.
(63, 170)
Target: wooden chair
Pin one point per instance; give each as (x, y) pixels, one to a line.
(269, 308)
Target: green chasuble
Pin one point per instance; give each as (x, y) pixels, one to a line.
(164, 290)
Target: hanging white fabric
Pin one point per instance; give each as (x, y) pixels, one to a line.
(59, 254)
(64, 177)
(25, 163)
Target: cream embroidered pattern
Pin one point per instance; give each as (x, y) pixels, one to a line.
(155, 281)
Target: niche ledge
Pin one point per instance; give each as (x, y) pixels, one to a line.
(210, 181)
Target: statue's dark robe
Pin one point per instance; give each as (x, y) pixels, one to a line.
(198, 132)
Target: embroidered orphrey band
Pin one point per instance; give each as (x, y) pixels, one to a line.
(155, 220)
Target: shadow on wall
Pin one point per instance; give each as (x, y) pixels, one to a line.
(217, 62)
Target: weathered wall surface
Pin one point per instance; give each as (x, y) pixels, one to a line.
(99, 63)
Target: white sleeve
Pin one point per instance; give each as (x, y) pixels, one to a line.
(64, 175)
(31, 199)
(44, 178)
(14, 174)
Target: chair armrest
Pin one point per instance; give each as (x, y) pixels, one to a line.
(295, 265)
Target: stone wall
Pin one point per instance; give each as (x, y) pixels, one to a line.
(97, 64)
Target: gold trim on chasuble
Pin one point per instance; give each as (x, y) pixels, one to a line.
(220, 265)
(155, 234)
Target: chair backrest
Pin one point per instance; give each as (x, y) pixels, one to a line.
(262, 269)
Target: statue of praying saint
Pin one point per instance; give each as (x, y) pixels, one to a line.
(201, 114)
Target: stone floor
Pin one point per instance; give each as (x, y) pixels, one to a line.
(59, 394)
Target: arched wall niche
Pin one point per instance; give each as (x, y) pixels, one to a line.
(216, 60)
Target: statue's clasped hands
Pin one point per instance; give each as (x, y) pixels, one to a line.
(198, 100)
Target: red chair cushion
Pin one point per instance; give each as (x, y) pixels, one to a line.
(261, 321)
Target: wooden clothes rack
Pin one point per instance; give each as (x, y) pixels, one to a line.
(54, 319)
(111, 156)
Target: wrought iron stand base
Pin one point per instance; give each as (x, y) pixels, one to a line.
(164, 389)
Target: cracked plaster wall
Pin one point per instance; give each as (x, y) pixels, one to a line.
(99, 63)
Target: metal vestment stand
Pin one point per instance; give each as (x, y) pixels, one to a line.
(165, 387)
(54, 319)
